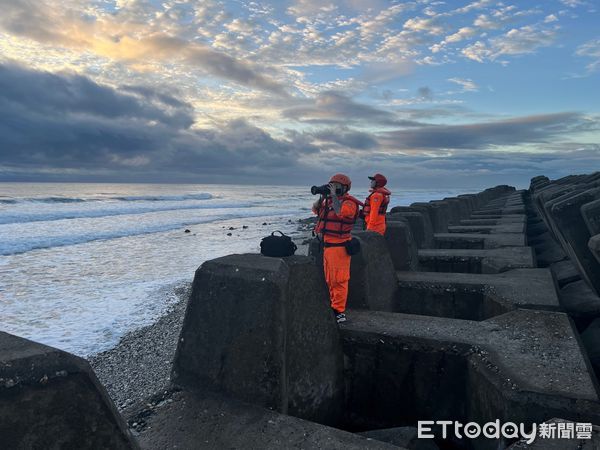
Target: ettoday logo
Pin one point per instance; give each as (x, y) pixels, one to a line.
(508, 430)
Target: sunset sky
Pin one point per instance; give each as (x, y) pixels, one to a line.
(430, 93)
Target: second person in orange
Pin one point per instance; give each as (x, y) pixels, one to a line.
(376, 204)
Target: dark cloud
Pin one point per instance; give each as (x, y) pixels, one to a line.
(67, 122)
(346, 137)
(521, 130)
(332, 107)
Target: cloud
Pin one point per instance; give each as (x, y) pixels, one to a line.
(517, 41)
(66, 122)
(130, 42)
(590, 49)
(466, 83)
(346, 138)
(540, 129)
(333, 107)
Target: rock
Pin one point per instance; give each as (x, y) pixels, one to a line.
(245, 226)
(261, 330)
(232, 228)
(187, 231)
(229, 234)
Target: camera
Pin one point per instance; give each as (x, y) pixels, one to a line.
(320, 190)
(323, 190)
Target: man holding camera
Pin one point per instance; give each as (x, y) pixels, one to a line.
(337, 211)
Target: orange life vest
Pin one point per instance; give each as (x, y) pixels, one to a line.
(330, 223)
(384, 203)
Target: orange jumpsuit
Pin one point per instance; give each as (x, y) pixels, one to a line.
(375, 221)
(336, 261)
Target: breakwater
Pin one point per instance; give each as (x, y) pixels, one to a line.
(475, 308)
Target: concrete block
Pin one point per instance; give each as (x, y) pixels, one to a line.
(372, 275)
(591, 341)
(489, 229)
(498, 211)
(437, 215)
(420, 227)
(450, 210)
(591, 216)
(50, 399)
(476, 261)
(475, 297)
(479, 241)
(579, 301)
(574, 234)
(522, 366)
(495, 220)
(564, 272)
(594, 246)
(402, 246)
(402, 437)
(261, 330)
(207, 420)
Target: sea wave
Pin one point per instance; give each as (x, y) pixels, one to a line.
(9, 245)
(125, 198)
(112, 209)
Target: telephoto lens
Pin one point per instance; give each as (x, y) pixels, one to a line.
(322, 190)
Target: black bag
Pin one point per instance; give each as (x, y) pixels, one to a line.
(277, 246)
(353, 246)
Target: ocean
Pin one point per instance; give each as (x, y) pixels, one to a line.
(83, 264)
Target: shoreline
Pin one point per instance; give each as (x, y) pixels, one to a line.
(139, 365)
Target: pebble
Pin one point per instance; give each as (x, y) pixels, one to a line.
(152, 347)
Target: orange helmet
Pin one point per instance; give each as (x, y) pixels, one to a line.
(342, 179)
(379, 179)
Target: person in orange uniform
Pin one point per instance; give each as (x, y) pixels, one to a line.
(376, 204)
(337, 215)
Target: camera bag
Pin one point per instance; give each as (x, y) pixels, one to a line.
(277, 246)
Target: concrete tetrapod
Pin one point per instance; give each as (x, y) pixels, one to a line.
(476, 261)
(522, 366)
(261, 330)
(420, 228)
(594, 245)
(207, 420)
(51, 399)
(475, 297)
(574, 235)
(479, 241)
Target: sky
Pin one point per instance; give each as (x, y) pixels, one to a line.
(433, 94)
